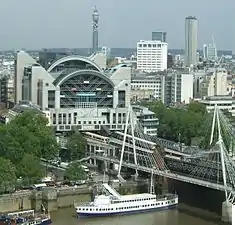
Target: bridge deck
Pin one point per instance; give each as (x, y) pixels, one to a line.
(166, 174)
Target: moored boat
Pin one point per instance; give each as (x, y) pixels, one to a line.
(116, 204)
(28, 217)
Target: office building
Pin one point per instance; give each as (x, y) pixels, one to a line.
(147, 87)
(210, 52)
(190, 41)
(106, 51)
(159, 36)
(214, 83)
(147, 119)
(178, 87)
(222, 102)
(6, 90)
(151, 56)
(76, 92)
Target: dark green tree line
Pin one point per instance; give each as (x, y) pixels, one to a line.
(24, 140)
(180, 123)
(75, 147)
(75, 172)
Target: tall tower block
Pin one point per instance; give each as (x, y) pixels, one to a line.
(190, 41)
(95, 19)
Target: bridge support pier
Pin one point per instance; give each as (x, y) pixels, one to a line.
(227, 208)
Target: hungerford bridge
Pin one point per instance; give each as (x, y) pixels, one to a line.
(214, 168)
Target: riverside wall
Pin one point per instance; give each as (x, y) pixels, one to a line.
(53, 198)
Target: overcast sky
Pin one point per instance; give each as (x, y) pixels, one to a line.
(35, 24)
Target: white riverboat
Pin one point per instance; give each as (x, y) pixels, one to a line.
(116, 204)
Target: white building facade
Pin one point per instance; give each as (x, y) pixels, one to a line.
(147, 87)
(182, 88)
(222, 102)
(215, 83)
(147, 119)
(151, 56)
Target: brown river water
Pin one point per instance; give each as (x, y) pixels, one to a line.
(181, 216)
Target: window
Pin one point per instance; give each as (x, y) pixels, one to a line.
(51, 99)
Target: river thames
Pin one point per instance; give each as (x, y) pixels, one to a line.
(168, 217)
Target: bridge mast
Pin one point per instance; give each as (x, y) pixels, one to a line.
(123, 146)
(129, 119)
(213, 126)
(133, 138)
(221, 146)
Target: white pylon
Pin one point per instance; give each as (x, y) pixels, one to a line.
(129, 119)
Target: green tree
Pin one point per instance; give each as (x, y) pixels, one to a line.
(7, 176)
(30, 170)
(17, 141)
(75, 172)
(76, 146)
(179, 124)
(197, 107)
(28, 133)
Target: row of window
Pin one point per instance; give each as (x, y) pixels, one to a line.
(64, 118)
(135, 200)
(157, 86)
(150, 45)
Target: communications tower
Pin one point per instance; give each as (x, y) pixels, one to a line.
(95, 18)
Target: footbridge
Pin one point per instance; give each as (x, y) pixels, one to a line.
(212, 168)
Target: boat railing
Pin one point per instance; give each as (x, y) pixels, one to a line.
(82, 204)
(21, 213)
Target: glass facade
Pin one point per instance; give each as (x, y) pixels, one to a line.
(86, 88)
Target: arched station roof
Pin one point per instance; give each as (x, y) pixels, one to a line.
(73, 58)
(61, 79)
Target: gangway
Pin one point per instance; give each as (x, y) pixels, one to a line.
(111, 190)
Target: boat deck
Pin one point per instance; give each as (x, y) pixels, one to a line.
(158, 199)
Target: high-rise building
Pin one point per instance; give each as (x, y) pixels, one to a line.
(205, 51)
(151, 56)
(190, 41)
(95, 40)
(159, 36)
(210, 51)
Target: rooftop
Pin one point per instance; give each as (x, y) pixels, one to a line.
(26, 106)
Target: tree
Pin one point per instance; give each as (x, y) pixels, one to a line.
(179, 124)
(30, 170)
(7, 176)
(197, 107)
(16, 142)
(75, 172)
(28, 133)
(76, 146)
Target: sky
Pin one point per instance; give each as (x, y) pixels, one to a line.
(40, 24)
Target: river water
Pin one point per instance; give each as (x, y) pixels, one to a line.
(168, 217)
